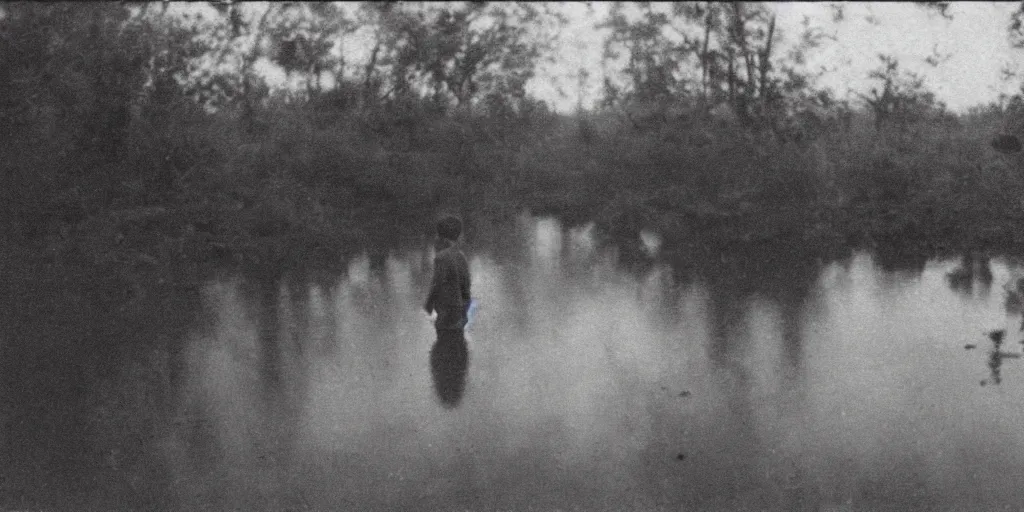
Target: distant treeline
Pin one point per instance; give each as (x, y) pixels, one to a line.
(134, 137)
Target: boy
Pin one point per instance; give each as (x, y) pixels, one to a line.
(449, 288)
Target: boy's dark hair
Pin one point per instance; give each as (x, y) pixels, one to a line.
(449, 227)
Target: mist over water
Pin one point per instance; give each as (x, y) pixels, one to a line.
(585, 386)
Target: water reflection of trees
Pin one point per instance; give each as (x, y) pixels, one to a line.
(735, 279)
(973, 270)
(264, 290)
(86, 373)
(279, 307)
(894, 258)
(783, 275)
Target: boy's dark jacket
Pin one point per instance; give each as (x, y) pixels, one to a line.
(449, 289)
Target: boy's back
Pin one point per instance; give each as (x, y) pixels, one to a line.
(449, 289)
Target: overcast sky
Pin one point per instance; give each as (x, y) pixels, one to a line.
(975, 41)
(976, 38)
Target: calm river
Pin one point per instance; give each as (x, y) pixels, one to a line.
(841, 386)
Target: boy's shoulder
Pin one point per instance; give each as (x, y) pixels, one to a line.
(448, 253)
(451, 254)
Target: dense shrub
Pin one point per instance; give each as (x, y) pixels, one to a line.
(126, 161)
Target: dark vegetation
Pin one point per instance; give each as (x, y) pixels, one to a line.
(137, 139)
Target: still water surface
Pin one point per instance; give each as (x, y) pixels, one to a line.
(585, 387)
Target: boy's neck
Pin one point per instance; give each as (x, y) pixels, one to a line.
(444, 243)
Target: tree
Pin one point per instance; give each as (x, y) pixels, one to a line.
(656, 48)
(900, 99)
(941, 8)
(1015, 29)
(704, 55)
(303, 37)
(457, 55)
(225, 75)
(72, 80)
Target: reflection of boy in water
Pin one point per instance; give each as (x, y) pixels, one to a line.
(449, 289)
